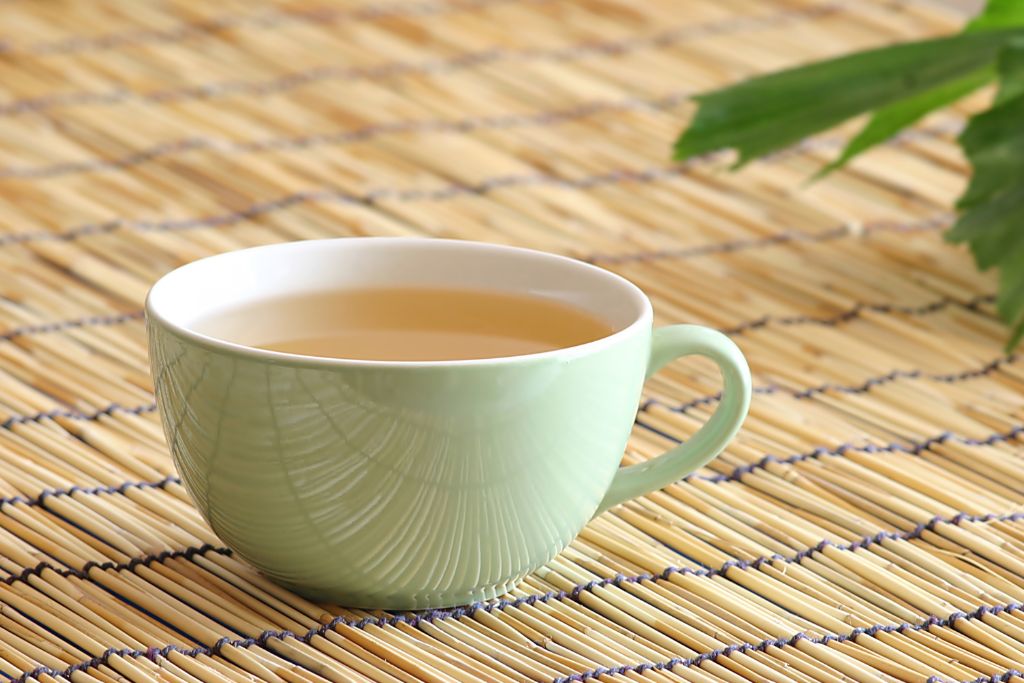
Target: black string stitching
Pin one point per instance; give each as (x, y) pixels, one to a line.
(265, 20)
(762, 646)
(469, 60)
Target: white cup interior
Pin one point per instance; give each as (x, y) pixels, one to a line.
(199, 291)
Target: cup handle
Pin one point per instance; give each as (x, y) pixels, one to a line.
(673, 342)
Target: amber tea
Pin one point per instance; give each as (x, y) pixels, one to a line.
(408, 324)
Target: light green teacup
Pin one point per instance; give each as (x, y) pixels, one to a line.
(408, 485)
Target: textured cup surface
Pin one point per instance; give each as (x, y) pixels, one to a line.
(398, 485)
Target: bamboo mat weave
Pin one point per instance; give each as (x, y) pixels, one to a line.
(867, 523)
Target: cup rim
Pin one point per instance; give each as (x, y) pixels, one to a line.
(643, 319)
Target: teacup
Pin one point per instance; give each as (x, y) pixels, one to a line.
(414, 484)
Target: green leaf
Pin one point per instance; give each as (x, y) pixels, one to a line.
(992, 208)
(771, 112)
(1011, 66)
(993, 227)
(1010, 302)
(889, 120)
(998, 14)
(994, 144)
(900, 84)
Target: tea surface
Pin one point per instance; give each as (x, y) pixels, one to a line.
(408, 324)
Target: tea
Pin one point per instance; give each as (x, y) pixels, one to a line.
(408, 324)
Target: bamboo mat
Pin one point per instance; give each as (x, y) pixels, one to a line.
(866, 525)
